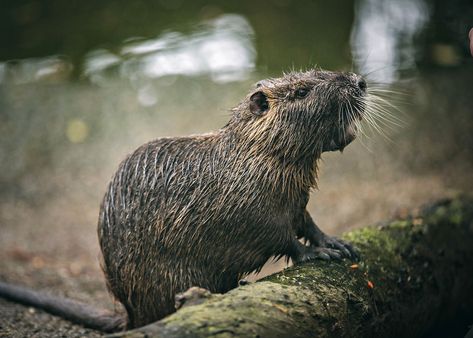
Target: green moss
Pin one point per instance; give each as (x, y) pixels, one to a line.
(402, 224)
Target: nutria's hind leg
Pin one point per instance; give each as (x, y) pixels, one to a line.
(192, 296)
(147, 306)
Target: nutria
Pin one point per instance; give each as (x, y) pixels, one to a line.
(205, 210)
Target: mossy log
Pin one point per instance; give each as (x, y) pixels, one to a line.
(415, 278)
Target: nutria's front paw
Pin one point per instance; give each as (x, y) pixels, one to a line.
(311, 253)
(332, 247)
(305, 256)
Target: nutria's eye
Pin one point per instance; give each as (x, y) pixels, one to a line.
(302, 92)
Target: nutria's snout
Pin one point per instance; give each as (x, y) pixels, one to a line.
(361, 83)
(350, 105)
(359, 103)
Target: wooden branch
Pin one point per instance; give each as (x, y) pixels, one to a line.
(415, 277)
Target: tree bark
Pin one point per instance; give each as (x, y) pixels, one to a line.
(415, 278)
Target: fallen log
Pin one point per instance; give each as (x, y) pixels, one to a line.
(415, 278)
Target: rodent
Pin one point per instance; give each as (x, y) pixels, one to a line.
(205, 210)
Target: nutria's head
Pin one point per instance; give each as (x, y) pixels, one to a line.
(300, 115)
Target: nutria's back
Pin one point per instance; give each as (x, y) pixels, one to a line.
(205, 210)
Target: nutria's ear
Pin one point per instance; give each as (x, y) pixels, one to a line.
(262, 83)
(259, 103)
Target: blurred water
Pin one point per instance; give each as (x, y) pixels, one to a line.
(383, 37)
(82, 86)
(221, 48)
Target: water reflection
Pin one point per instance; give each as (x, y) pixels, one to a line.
(47, 69)
(383, 36)
(97, 62)
(221, 48)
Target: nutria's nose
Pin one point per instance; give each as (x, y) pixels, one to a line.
(362, 83)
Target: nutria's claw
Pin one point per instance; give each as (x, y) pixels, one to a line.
(328, 253)
(323, 256)
(306, 256)
(243, 282)
(346, 250)
(310, 253)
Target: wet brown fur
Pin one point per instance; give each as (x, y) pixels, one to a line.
(205, 210)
